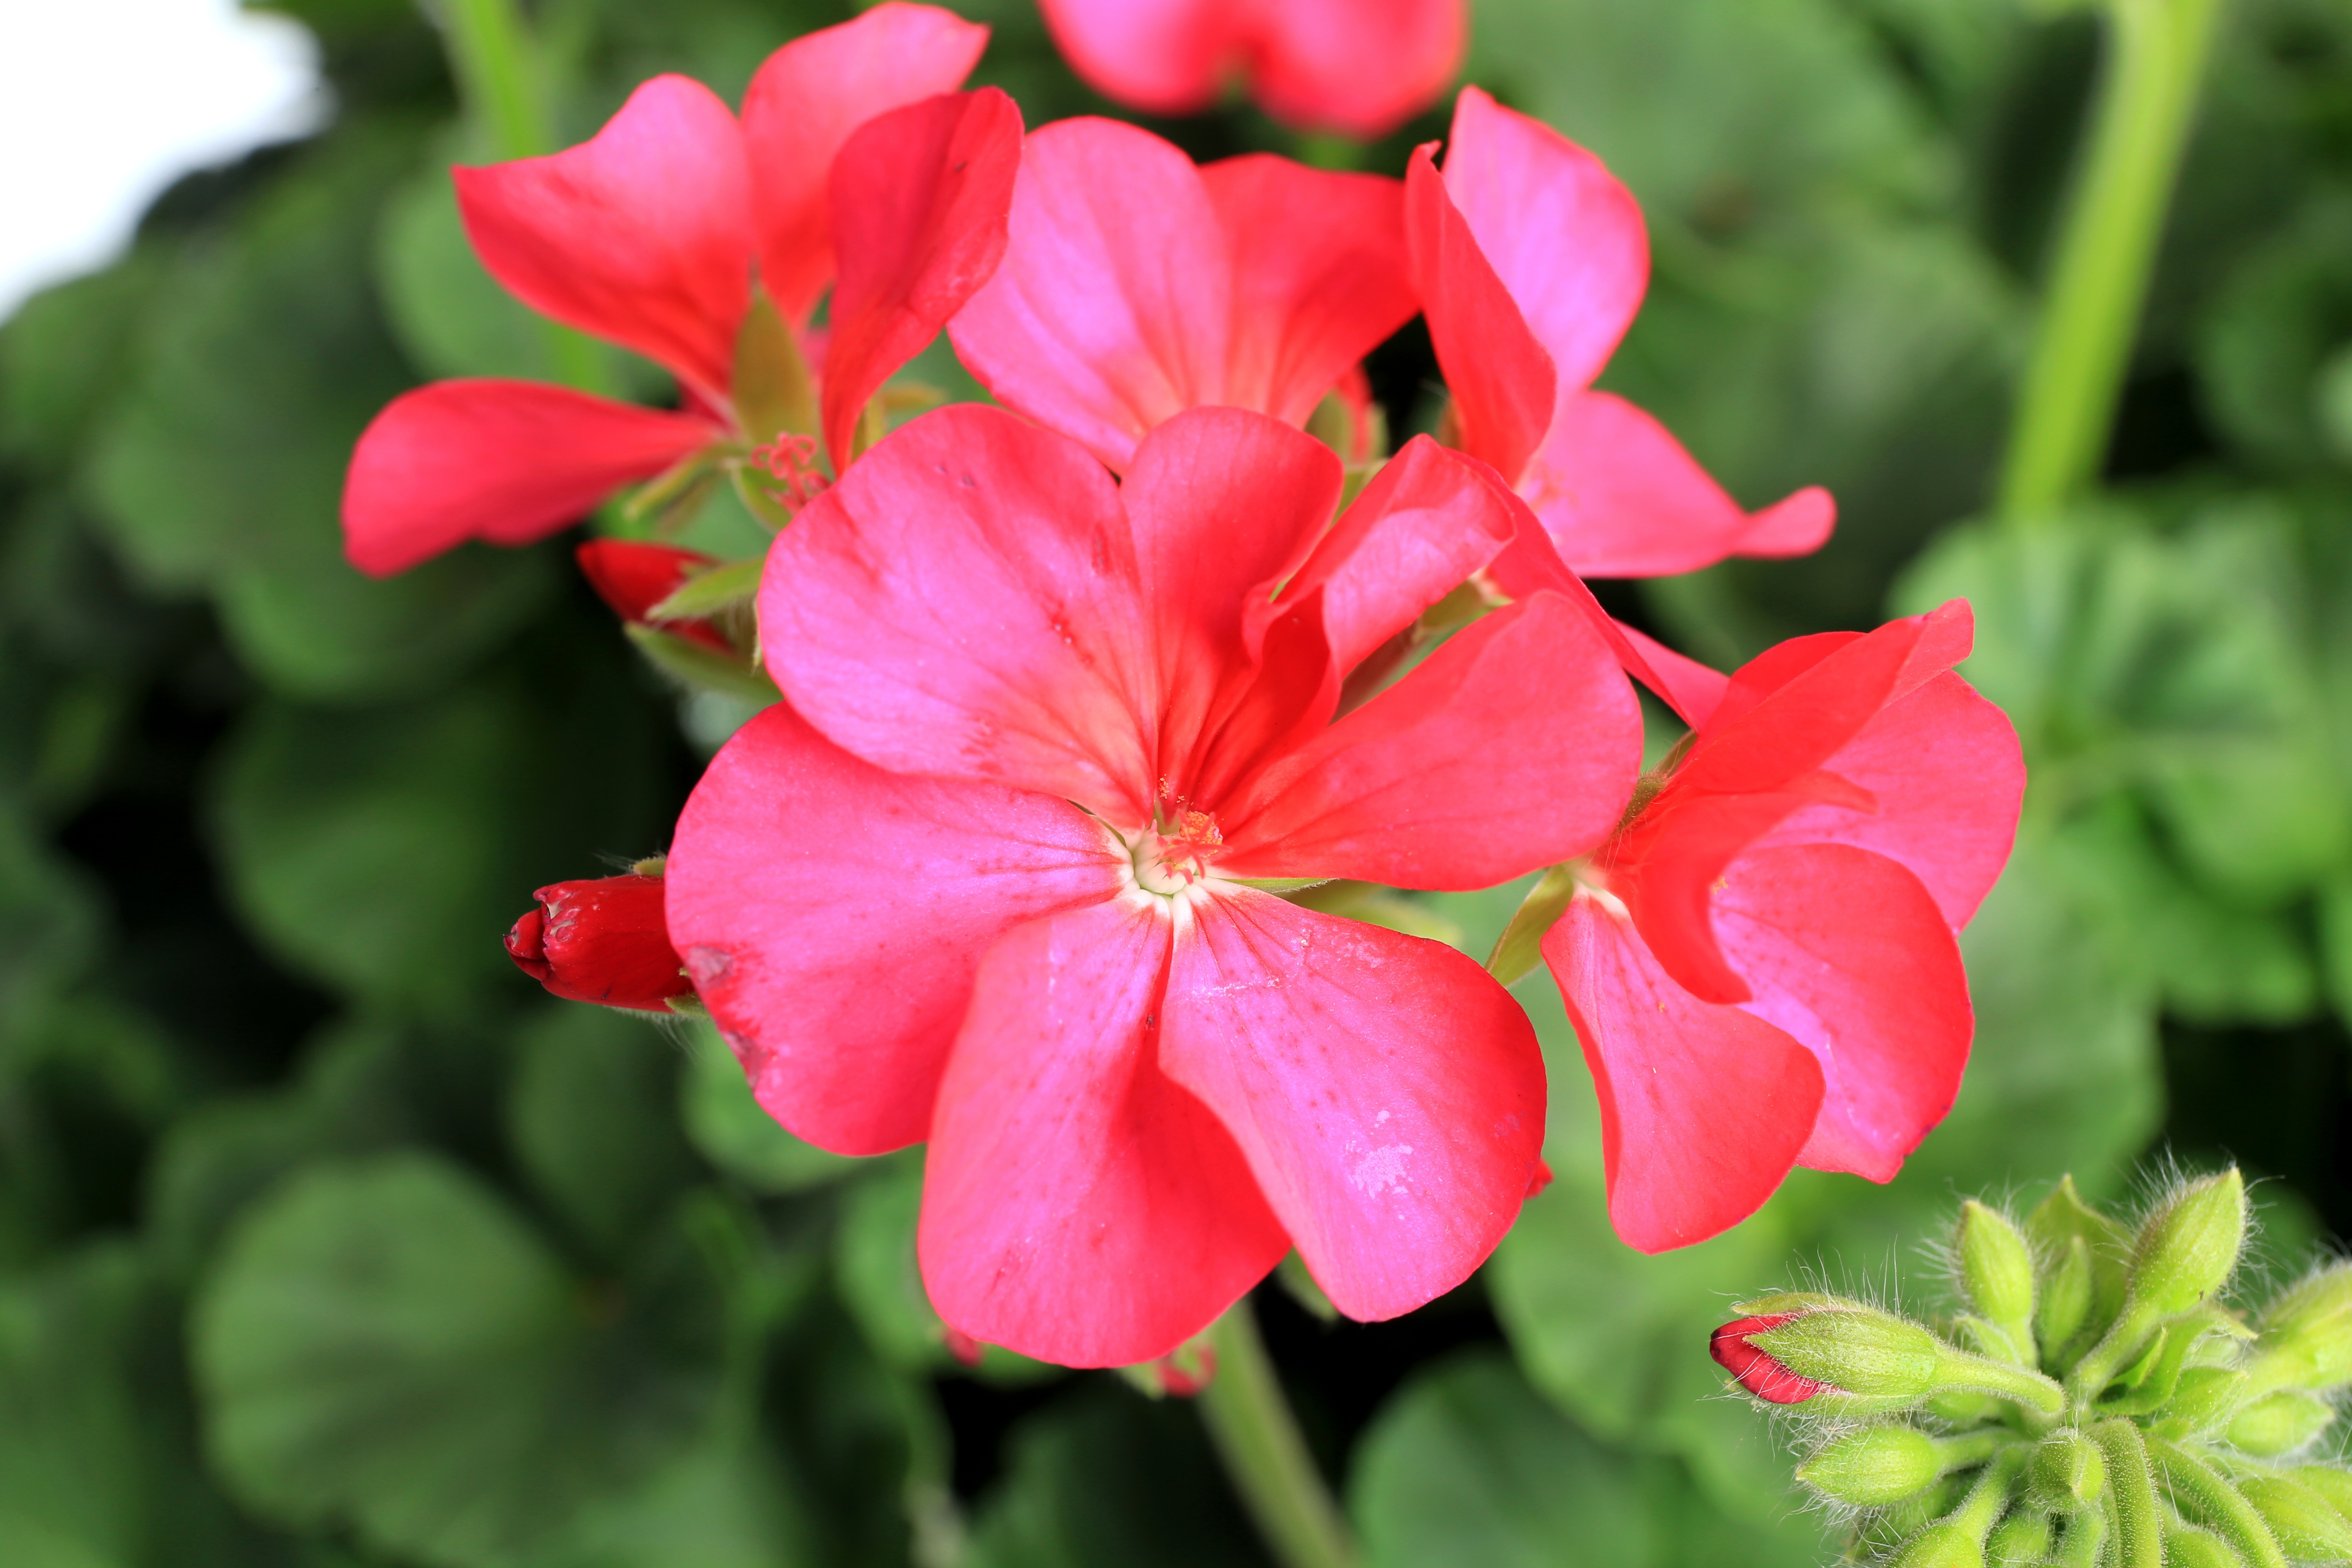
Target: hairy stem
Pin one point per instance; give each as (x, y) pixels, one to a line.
(1267, 1461)
(2106, 251)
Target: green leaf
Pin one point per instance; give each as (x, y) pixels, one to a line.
(725, 1504)
(2263, 346)
(375, 850)
(221, 467)
(731, 1129)
(591, 1116)
(1104, 1476)
(881, 1281)
(385, 1342)
(64, 354)
(1466, 1465)
(50, 922)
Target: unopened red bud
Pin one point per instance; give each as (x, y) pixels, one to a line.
(1735, 1350)
(603, 940)
(962, 1346)
(633, 576)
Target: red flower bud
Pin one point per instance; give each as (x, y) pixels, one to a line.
(962, 1346)
(601, 941)
(1736, 1353)
(633, 577)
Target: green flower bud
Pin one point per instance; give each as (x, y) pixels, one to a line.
(2189, 1247)
(2063, 1217)
(2300, 1519)
(2280, 1423)
(2067, 1471)
(1872, 1467)
(1962, 1407)
(1941, 1546)
(2186, 1546)
(2019, 1539)
(1858, 1349)
(2207, 1398)
(2067, 1296)
(2306, 1339)
(1997, 1272)
(2329, 1482)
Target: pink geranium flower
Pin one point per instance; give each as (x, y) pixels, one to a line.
(1360, 66)
(987, 876)
(854, 160)
(1531, 260)
(1135, 285)
(1761, 962)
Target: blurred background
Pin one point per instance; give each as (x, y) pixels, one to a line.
(327, 1239)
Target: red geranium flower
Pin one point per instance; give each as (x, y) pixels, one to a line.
(853, 159)
(1761, 962)
(1135, 285)
(985, 877)
(1531, 260)
(631, 576)
(1360, 66)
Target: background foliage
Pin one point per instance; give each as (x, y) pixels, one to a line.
(327, 1239)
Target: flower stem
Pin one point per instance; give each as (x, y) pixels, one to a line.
(2106, 251)
(492, 54)
(1257, 1438)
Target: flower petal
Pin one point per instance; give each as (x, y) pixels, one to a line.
(965, 604)
(1387, 1093)
(832, 916)
(1426, 521)
(1360, 67)
(1949, 779)
(1078, 1206)
(506, 461)
(641, 235)
(1791, 731)
(1704, 1107)
(1515, 745)
(1220, 500)
(1502, 378)
(1112, 310)
(1163, 56)
(1845, 951)
(1562, 234)
(1621, 498)
(802, 105)
(920, 196)
(1320, 276)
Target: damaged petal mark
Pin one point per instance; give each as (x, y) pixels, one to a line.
(1380, 1171)
(709, 965)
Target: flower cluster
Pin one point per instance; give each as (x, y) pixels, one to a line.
(2102, 1406)
(1084, 693)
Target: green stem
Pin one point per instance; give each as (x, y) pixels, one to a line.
(2199, 1491)
(493, 56)
(2131, 1496)
(1263, 1454)
(2106, 252)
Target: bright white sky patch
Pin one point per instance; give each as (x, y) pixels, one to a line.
(103, 103)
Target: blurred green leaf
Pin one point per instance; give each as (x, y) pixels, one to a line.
(1104, 1476)
(50, 923)
(376, 850)
(385, 1341)
(725, 1504)
(450, 315)
(1467, 1467)
(727, 1125)
(222, 466)
(590, 1115)
(2268, 337)
(63, 354)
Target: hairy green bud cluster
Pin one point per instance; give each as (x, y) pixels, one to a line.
(2092, 1404)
